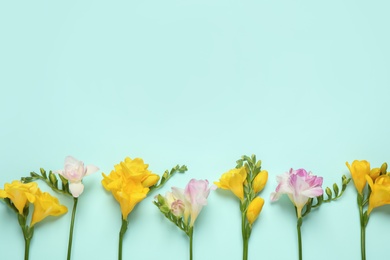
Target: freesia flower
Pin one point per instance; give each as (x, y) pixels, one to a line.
(299, 185)
(254, 209)
(380, 192)
(182, 206)
(129, 183)
(359, 170)
(233, 180)
(46, 205)
(194, 197)
(74, 171)
(20, 194)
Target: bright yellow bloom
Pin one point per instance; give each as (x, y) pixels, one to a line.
(254, 209)
(380, 192)
(233, 180)
(359, 170)
(20, 194)
(129, 183)
(260, 181)
(46, 205)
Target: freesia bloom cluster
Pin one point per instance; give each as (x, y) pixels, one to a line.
(378, 180)
(182, 206)
(21, 195)
(129, 183)
(245, 182)
(74, 171)
(299, 185)
(188, 202)
(377, 195)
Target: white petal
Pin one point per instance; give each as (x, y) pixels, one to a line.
(76, 188)
(91, 169)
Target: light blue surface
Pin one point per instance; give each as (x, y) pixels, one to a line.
(298, 83)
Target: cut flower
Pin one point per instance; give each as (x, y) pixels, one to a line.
(299, 185)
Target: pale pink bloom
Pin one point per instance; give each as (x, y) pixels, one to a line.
(74, 171)
(299, 186)
(194, 197)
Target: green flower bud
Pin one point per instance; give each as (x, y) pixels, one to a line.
(328, 192)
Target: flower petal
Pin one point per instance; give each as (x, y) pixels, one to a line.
(91, 169)
(76, 188)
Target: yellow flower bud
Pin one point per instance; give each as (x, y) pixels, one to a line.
(254, 209)
(359, 170)
(233, 180)
(150, 180)
(260, 181)
(374, 173)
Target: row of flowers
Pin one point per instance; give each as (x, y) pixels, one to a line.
(131, 181)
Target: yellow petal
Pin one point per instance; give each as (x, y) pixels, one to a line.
(359, 170)
(233, 180)
(254, 209)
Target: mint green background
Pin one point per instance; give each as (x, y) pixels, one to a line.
(299, 83)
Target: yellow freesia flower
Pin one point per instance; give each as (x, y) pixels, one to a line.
(20, 194)
(233, 180)
(260, 181)
(380, 192)
(359, 170)
(129, 183)
(46, 205)
(254, 209)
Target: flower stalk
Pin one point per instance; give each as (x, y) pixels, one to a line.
(75, 200)
(121, 234)
(299, 224)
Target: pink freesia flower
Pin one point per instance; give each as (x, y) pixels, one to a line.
(194, 197)
(299, 186)
(74, 171)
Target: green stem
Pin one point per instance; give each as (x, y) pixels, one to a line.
(191, 234)
(245, 238)
(26, 248)
(362, 227)
(299, 224)
(71, 228)
(121, 233)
